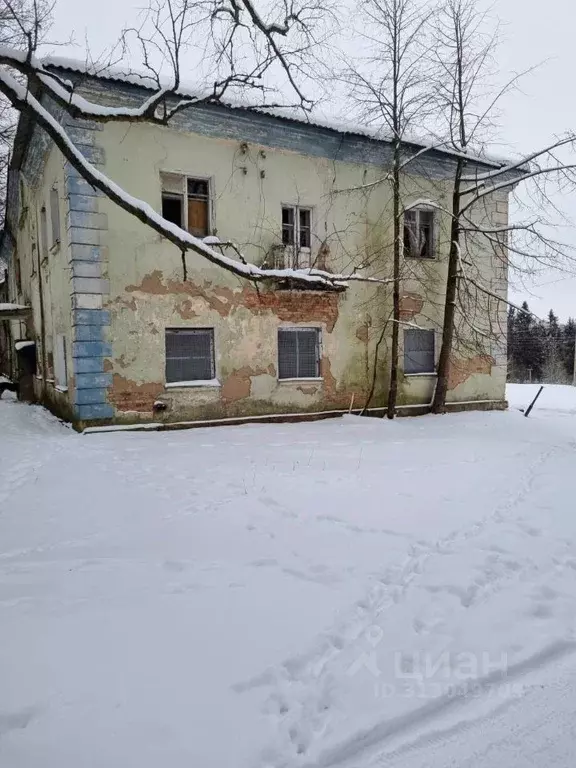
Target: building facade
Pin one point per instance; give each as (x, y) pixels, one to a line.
(122, 337)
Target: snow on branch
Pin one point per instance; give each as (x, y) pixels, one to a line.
(22, 99)
(523, 164)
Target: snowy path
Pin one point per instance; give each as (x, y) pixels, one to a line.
(342, 593)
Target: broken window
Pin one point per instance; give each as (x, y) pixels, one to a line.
(298, 353)
(55, 215)
(189, 355)
(297, 236)
(419, 351)
(186, 203)
(419, 233)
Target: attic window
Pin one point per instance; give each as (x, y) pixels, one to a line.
(419, 233)
(186, 203)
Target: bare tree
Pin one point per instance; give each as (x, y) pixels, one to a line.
(469, 107)
(388, 87)
(16, 16)
(263, 59)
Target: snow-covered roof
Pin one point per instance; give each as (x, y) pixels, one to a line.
(290, 114)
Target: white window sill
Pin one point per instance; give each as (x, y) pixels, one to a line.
(308, 378)
(186, 384)
(427, 374)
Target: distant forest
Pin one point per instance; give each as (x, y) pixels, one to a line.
(540, 351)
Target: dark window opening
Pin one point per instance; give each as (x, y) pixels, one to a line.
(186, 203)
(288, 226)
(419, 234)
(305, 228)
(172, 208)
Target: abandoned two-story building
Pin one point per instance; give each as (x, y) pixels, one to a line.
(121, 337)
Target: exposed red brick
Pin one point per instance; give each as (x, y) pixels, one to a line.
(410, 305)
(185, 310)
(309, 390)
(126, 395)
(238, 384)
(289, 306)
(461, 369)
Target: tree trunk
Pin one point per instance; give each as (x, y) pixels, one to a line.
(393, 388)
(439, 401)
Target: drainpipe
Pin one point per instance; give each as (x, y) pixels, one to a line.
(41, 299)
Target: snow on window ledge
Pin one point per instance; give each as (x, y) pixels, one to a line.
(425, 373)
(304, 378)
(195, 383)
(22, 344)
(58, 388)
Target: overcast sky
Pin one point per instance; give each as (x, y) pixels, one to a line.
(533, 34)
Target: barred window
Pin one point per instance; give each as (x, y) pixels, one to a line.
(419, 354)
(419, 233)
(298, 353)
(189, 354)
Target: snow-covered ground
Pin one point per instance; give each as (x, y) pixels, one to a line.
(343, 593)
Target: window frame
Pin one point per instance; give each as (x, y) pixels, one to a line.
(431, 372)
(418, 210)
(191, 330)
(295, 249)
(295, 329)
(183, 196)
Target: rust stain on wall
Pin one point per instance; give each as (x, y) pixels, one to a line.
(333, 394)
(461, 369)
(238, 384)
(362, 334)
(289, 306)
(125, 303)
(185, 310)
(310, 390)
(126, 395)
(410, 305)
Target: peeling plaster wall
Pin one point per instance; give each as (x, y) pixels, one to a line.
(115, 286)
(43, 170)
(148, 295)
